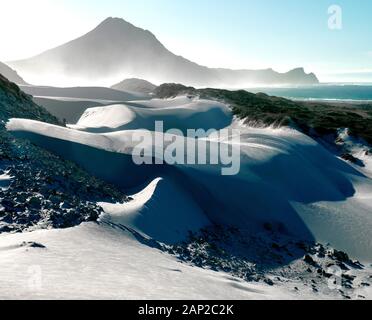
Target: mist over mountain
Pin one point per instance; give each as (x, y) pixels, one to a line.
(10, 74)
(116, 50)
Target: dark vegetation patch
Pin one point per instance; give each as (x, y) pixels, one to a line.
(14, 103)
(311, 118)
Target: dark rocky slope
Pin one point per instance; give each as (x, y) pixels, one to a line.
(39, 189)
(11, 74)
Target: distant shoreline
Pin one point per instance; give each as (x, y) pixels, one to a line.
(325, 93)
(332, 101)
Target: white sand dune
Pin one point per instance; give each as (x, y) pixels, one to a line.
(98, 262)
(286, 178)
(181, 113)
(162, 211)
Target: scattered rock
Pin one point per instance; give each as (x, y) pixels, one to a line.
(269, 282)
(321, 251)
(32, 244)
(309, 260)
(348, 277)
(340, 256)
(349, 157)
(342, 266)
(357, 265)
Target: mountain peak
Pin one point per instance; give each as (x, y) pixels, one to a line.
(114, 20)
(115, 24)
(118, 29)
(117, 49)
(298, 70)
(299, 73)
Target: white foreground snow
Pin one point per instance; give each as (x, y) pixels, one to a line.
(94, 261)
(98, 262)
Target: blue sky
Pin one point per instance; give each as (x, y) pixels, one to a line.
(281, 34)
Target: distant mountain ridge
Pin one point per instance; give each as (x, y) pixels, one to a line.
(10, 74)
(116, 49)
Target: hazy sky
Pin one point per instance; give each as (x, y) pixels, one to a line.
(253, 34)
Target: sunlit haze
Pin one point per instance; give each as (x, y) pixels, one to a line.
(236, 34)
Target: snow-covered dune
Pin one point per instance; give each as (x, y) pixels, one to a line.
(162, 211)
(286, 179)
(181, 113)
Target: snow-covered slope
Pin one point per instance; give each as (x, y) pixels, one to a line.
(162, 211)
(286, 178)
(181, 113)
(98, 262)
(357, 148)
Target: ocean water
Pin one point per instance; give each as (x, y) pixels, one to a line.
(331, 92)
